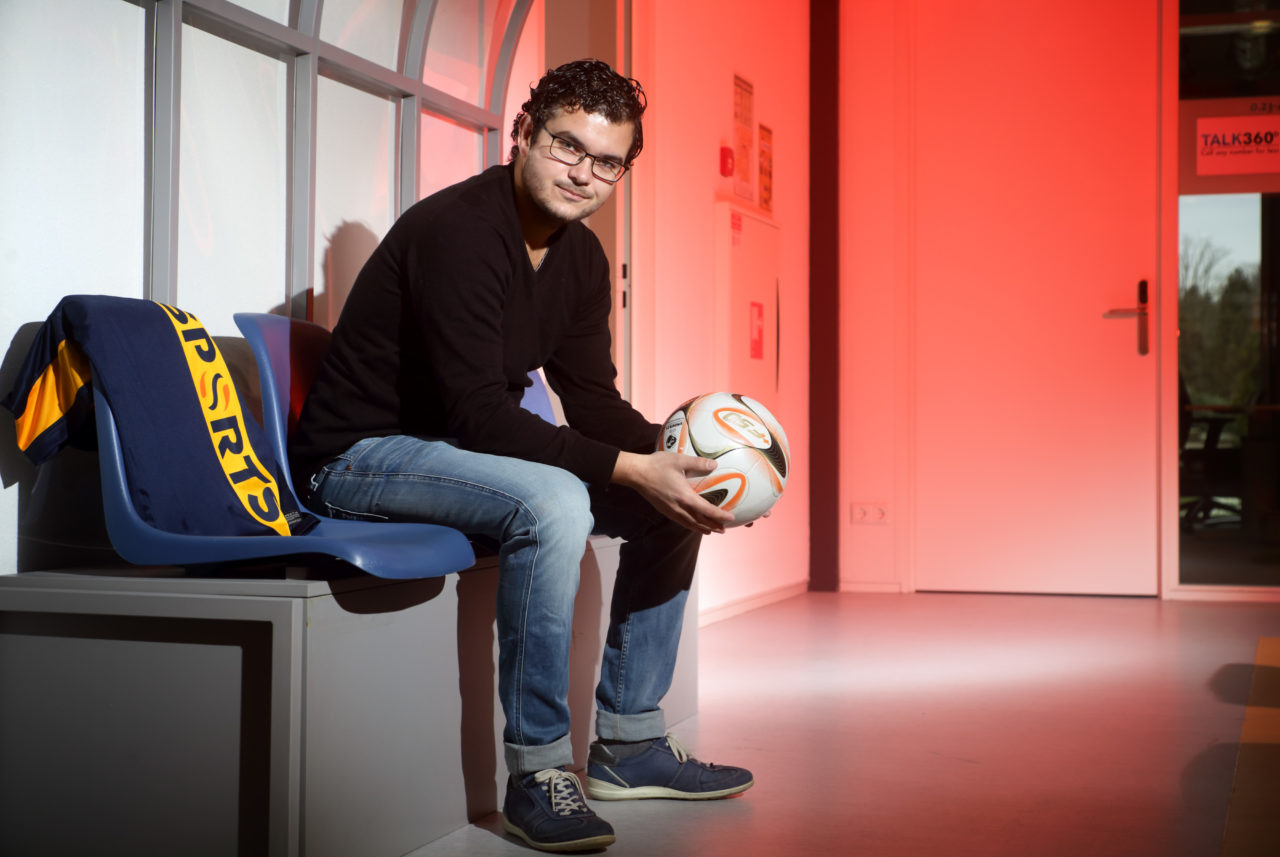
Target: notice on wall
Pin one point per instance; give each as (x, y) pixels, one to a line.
(1237, 145)
(766, 168)
(1218, 146)
(744, 131)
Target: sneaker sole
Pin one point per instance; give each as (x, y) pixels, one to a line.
(601, 790)
(590, 843)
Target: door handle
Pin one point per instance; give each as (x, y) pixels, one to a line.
(1140, 313)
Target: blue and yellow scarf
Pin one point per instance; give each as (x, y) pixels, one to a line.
(197, 462)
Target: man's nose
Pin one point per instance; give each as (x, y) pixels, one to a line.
(581, 172)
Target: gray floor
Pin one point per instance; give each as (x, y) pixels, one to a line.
(929, 724)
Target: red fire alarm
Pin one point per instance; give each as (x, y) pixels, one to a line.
(726, 161)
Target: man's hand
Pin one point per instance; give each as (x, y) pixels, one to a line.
(662, 478)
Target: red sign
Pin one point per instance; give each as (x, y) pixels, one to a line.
(1237, 145)
(757, 330)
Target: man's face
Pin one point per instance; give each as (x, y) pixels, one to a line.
(561, 192)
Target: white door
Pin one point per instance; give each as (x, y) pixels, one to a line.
(1036, 211)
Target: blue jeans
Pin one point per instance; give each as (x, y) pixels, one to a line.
(540, 517)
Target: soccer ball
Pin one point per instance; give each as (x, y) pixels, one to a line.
(747, 444)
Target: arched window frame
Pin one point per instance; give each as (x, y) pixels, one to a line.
(307, 58)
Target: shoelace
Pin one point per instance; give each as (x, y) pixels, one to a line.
(677, 749)
(682, 754)
(564, 789)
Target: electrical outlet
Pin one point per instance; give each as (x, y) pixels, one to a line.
(869, 512)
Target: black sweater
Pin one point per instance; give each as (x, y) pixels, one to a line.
(443, 325)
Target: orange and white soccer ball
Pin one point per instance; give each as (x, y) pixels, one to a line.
(747, 444)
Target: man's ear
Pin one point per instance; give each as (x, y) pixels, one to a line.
(525, 139)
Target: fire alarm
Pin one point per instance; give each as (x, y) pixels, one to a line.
(726, 161)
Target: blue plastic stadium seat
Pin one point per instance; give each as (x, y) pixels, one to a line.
(537, 399)
(287, 352)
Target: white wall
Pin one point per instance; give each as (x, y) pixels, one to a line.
(71, 166)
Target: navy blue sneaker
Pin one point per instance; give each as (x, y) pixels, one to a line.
(663, 769)
(546, 810)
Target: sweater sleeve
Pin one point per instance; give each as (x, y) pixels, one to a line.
(582, 373)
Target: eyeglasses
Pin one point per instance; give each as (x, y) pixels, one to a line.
(568, 152)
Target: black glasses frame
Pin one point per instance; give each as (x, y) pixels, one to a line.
(595, 159)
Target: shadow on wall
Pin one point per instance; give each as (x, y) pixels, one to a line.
(350, 246)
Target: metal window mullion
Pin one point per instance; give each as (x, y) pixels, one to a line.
(301, 170)
(409, 116)
(236, 24)
(502, 79)
(414, 47)
(413, 56)
(304, 16)
(304, 71)
(163, 116)
(455, 108)
(368, 76)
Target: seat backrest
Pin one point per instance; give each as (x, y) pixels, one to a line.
(537, 398)
(288, 351)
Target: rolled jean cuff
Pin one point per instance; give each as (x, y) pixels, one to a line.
(523, 760)
(644, 726)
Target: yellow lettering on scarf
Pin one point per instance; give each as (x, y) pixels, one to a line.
(253, 484)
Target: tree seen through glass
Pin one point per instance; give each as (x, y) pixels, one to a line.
(1219, 343)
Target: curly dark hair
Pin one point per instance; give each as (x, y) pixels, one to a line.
(590, 85)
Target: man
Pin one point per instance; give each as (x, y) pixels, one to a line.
(415, 415)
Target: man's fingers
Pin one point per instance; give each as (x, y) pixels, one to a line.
(697, 464)
(666, 484)
(712, 517)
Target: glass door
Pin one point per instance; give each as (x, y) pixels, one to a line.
(1229, 238)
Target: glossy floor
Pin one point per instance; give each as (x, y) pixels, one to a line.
(934, 724)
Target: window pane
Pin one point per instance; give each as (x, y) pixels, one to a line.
(450, 153)
(458, 47)
(231, 188)
(276, 10)
(355, 189)
(71, 154)
(367, 28)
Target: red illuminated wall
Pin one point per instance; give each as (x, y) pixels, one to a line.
(944, 143)
(873, 367)
(686, 56)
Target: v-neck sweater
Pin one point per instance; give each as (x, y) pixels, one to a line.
(443, 325)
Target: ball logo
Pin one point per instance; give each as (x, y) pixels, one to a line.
(743, 428)
(674, 435)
